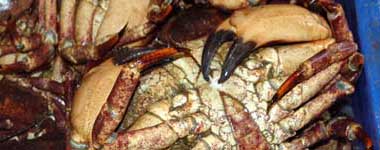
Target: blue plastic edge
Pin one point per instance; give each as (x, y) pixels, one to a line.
(364, 19)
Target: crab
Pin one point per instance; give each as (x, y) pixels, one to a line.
(240, 113)
(94, 26)
(32, 39)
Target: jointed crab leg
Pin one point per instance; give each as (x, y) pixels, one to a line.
(334, 53)
(316, 106)
(344, 47)
(309, 88)
(246, 131)
(81, 47)
(113, 110)
(338, 127)
(299, 118)
(336, 18)
(159, 136)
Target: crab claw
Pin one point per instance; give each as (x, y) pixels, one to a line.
(237, 53)
(213, 43)
(253, 28)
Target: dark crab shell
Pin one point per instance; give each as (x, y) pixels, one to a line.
(25, 120)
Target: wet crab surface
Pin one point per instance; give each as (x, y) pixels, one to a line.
(177, 75)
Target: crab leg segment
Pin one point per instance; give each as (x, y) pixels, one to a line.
(252, 28)
(349, 69)
(79, 23)
(302, 93)
(246, 132)
(340, 127)
(334, 144)
(336, 17)
(159, 136)
(334, 53)
(66, 32)
(316, 106)
(342, 34)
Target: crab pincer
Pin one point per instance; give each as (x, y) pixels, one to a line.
(252, 28)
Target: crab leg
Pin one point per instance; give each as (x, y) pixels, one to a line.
(334, 53)
(341, 33)
(336, 17)
(340, 127)
(302, 93)
(309, 88)
(113, 110)
(81, 47)
(67, 24)
(333, 144)
(246, 131)
(316, 106)
(159, 136)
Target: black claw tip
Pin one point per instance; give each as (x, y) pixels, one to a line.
(213, 42)
(235, 56)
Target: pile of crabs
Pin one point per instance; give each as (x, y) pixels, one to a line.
(172, 74)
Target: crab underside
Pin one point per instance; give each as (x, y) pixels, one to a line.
(216, 75)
